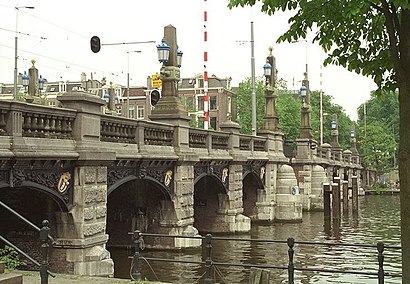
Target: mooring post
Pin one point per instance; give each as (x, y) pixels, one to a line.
(291, 267)
(44, 232)
(380, 259)
(345, 188)
(326, 200)
(208, 260)
(336, 199)
(355, 194)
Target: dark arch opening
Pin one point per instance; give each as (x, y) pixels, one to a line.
(36, 205)
(251, 183)
(210, 204)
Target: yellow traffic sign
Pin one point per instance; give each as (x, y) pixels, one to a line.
(156, 81)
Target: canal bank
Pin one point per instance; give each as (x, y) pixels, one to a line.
(31, 277)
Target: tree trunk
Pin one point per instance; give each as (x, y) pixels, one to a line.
(404, 175)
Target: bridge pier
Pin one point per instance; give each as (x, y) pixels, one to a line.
(288, 199)
(80, 246)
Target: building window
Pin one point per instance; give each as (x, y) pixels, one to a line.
(212, 122)
(140, 112)
(200, 102)
(212, 103)
(132, 112)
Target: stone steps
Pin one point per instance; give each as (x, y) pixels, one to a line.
(9, 278)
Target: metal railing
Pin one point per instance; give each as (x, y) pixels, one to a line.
(45, 239)
(209, 264)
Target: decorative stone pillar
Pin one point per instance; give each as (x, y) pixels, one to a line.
(33, 94)
(170, 108)
(271, 119)
(271, 128)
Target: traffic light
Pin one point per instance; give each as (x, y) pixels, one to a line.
(154, 95)
(95, 44)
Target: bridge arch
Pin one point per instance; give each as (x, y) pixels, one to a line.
(253, 187)
(135, 203)
(211, 202)
(51, 193)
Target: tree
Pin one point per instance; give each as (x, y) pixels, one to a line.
(383, 108)
(371, 38)
(378, 147)
(244, 102)
(329, 108)
(289, 112)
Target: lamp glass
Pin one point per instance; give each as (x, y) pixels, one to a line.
(352, 134)
(25, 79)
(303, 91)
(267, 69)
(333, 124)
(179, 57)
(163, 51)
(41, 82)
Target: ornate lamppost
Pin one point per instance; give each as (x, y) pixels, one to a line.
(353, 141)
(271, 119)
(169, 108)
(306, 127)
(335, 132)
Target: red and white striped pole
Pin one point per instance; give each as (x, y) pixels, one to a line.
(206, 105)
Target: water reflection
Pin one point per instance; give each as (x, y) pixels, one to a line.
(378, 219)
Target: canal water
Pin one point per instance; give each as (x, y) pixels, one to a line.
(378, 219)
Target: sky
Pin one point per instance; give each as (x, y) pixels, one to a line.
(56, 34)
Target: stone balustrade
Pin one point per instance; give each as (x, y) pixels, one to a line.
(31, 120)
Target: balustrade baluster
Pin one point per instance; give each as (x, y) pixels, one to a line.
(34, 123)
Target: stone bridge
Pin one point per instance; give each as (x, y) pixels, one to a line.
(96, 177)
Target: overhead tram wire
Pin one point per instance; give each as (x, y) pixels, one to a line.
(116, 73)
(65, 62)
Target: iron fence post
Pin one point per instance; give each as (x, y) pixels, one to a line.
(44, 232)
(380, 259)
(208, 260)
(291, 267)
(136, 269)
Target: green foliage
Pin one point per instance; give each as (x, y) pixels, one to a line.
(378, 146)
(378, 132)
(343, 121)
(384, 108)
(352, 33)
(10, 257)
(379, 187)
(288, 106)
(190, 108)
(289, 112)
(244, 104)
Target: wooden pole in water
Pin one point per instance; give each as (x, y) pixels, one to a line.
(355, 194)
(336, 198)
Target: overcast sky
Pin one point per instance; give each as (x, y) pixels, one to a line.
(57, 34)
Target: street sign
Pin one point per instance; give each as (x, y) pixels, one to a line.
(156, 81)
